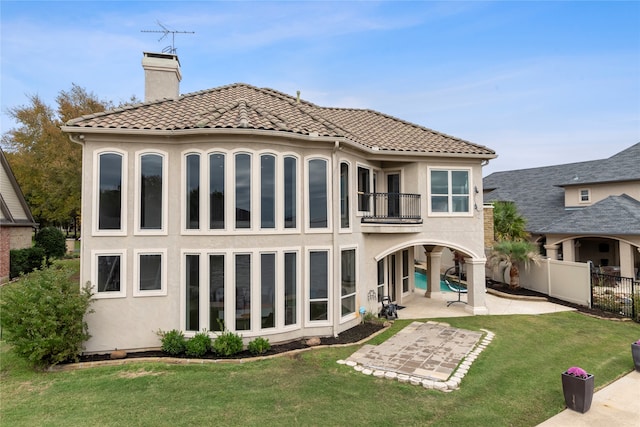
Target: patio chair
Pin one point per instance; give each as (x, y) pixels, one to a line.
(452, 279)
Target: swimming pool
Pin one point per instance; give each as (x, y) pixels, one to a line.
(421, 282)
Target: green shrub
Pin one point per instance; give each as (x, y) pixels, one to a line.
(43, 316)
(227, 344)
(173, 342)
(259, 346)
(25, 260)
(198, 345)
(52, 241)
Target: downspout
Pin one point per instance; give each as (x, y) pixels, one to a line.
(335, 183)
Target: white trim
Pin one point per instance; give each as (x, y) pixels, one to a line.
(162, 231)
(207, 197)
(252, 192)
(307, 219)
(357, 187)
(137, 292)
(183, 193)
(122, 293)
(588, 190)
(300, 299)
(307, 297)
(340, 297)
(96, 231)
(297, 191)
(450, 169)
(277, 214)
(351, 213)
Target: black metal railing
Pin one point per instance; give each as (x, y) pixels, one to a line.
(390, 208)
(620, 295)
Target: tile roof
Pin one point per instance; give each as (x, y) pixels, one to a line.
(539, 193)
(242, 106)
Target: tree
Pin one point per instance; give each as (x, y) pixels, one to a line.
(508, 224)
(47, 165)
(511, 253)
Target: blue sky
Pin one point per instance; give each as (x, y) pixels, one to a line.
(541, 83)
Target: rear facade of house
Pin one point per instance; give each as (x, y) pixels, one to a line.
(251, 210)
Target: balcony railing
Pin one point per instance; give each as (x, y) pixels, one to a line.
(390, 208)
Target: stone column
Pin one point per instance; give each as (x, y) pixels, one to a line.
(552, 251)
(568, 250)
(626, 259)
(434, 261)
(476, 286)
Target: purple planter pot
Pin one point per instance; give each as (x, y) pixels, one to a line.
(635, 352)
(578, 392)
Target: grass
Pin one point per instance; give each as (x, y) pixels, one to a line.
(515, 381)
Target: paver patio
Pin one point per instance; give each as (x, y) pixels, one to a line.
(429, 351)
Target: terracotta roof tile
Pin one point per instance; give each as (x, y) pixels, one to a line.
(241, 106)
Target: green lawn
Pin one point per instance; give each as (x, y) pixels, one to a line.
(514, 382)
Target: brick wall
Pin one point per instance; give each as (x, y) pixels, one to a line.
(488, 226)
(5, 242)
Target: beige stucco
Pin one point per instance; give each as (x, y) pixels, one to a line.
(598, 192)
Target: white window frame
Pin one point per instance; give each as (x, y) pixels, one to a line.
(122, 293)
(227, 194)
(588, 199)
(254, 194)
(95, 229)
(162, 231)
(280, 193)
(202, 207)
(137, 292)
(353, 315)
(450, 213)
(307, 218)
(280, 288)
(357, 182)
(350, 197)
(307, 288)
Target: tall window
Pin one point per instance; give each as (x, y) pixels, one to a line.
(380, 279)
(318, 285)
(243, 191)
(344, 195)
(348, 284)
(193, 192)
(363, 189)
(216, 191)
(109, 273)
(268, 191)
(151, 192)
(318, 205)
(243, 292)
(405, 271)
(150, 273)
(216, 292)
(290, 288)
(290, 173)
(450, 191)
(268, 290)
(110, 197)
(192, 288)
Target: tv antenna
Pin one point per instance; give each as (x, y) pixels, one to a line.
(165, 32)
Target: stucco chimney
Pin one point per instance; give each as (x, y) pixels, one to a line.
(161, 76)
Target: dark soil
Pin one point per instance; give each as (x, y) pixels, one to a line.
(350, 336)
(522, 292)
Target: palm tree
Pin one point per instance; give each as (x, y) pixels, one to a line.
(508, 224)
(512, 253)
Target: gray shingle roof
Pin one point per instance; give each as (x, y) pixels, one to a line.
(538, 192)
(242, 106)
(622, 215)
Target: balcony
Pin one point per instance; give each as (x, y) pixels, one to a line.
(390, 208)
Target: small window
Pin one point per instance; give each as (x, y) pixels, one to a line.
(585, 195)
(150, 273)
(449, 191)
(109, 274)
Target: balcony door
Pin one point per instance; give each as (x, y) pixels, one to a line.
(393, 195)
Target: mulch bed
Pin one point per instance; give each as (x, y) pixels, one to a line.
(522, 292)
(350, 336)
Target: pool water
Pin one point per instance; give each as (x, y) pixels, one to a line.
(421, 282)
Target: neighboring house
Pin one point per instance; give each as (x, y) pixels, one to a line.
(16, 221)
(251, 207)
(587, 211)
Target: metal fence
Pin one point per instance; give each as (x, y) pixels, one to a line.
(616, 294)
(391, 208)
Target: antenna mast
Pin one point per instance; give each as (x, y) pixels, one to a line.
(165, 31)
